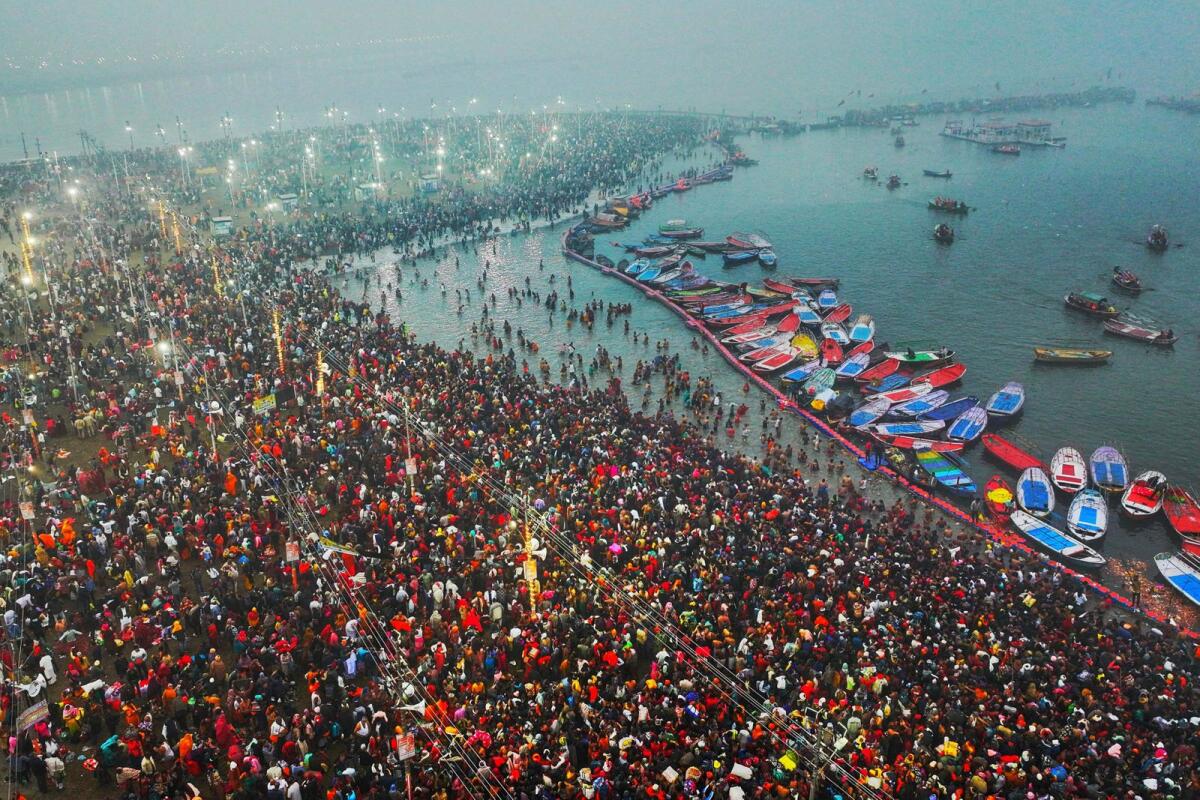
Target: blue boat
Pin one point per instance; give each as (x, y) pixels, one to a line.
(739, 306)
(768, 258)
(638, 267)
(869, 412)
(1180, 571)
(952, 409)
(1087, 517)
(650, 273)
(1062, 546)
(853, 366)
(1109, 471)
(919, 405)
(808, 316)
(893, 381)
(827, 299)
(739, 257)
(1035, 493)
(968, 426)
(947, 471)
(908, 428)
(802, 372)
(1007, 401)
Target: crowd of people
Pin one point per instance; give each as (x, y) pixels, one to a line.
(262, 543)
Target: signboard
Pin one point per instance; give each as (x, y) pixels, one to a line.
(288, 202)
(292, 551)
(33, 715)
(410, 466)
(406, 745)
(264, 405)
(179, 377)
(222, 227)
(27, 509)
(530, 569)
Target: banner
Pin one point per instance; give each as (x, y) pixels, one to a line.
(264, 405)
(33, 715)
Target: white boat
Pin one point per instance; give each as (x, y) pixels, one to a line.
(831, 330)
(1068, 470)
(1180, 570)
(862, 329)
(1144, 497)
(1087, 517)
(1035, 494)
(921, 405)
(919, 428)
(1062, 546)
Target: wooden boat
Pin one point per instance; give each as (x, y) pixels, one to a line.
(852, 367)
(1091, 303)
(684, 233)
(951, 409)
(868, 412)
(944, 376)
(780, 360)
(711, 247)
(1157, 239)
(808, 315)
(1007, 149)
(765, 343)
(1182, 511)
(806, 344)
(948, 206)
(605, 261)
(748, 241)
(1035, 494)
(914, 428)
(1070, 355)
(1062, 546)
(785, 288)
(749, 332)
(1126, 281)
(802, 372)
(923, 358)
(839, 314)
(918, 443)
(790, 324)
(768, 258)
(1009, 453)
(912, 409)
(1144, 497)
(1008, 401)
(933, 173)
(1087, 516)
(1068, 470)
(969, 425)
(943, 233)
(1131, 329)
(1109, 471)
(759, 353)
(866, 348)
(946, 471)
(674, 226)
(998, 498)
(826, 300)
(862, 329)
(906, 393)
(739, 257)
(821, 379)
(831, 351)
(896, 381)
(893, 182)
(1182, 572)
(815, 283)
(887, 366)
(831, 330)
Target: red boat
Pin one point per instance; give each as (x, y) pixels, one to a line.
(998, 497)
(1008, 453)
(839, 313)
(1183, 512)
(944, 376)
(1143, 333)
(831, 351)
(860, 349)
(917, 443)
(878, 372)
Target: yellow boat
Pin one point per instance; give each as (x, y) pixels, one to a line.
(1070, 355)
(806, 345)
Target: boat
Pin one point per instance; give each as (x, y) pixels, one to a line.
(637, 267)
(839, 313)
(1181, 571)
(712, 247)
(831, 330)
(808, 315)
(969, 425)
(827, 300)
(784, 287)
(1144, 497)
(1013, 455)
(948, 206)
(852, 367)
(895, 381)
(681, 185)
(606, 262)
(1183, 512)
(1035, 494)
(914, 428)
(768, 258)
(805, 343)
(672, 227)
(1091, 303)
(1007, 149)
(1127, 281)
(919, 443)
(947, 471)
(1157, 239)
(923, 358)
(868, 412)
(1108, 469)
(815, 283)
(899, 141)
(802, 372)
(1087, 516)
(943, 376)
(1008, 400)
(736, 258)
(952, 409)
(998, 498)
(765, 343)
(883, 369)
(1131, 329)
(933, 173)
(759, 333)
(748, 241)
(893, 182)
(919, 406)
(780, 360)
(906, 393)
(871, 173)
(862, 329)
(821, 379)
(866, 348)
(831, 351)
(1069, 470)
(943, 233)
(1061, 545)
(1070, 355)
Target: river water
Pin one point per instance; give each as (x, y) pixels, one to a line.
(1047, 222)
